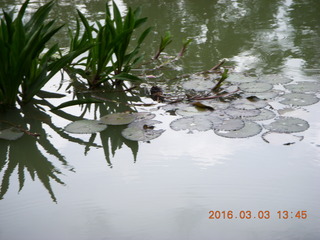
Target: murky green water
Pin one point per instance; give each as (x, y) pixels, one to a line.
(102, 186)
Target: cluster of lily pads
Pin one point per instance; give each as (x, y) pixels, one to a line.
(243, 116)
(140, 125)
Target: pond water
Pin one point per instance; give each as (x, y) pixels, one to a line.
(103, 186)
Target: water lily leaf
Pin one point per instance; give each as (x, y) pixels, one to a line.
(275, 79)
(85, 127)
(198, 85)
(141, 134)
(143, 115)
(10, 134)
(249, 103)
(281, 138)
(118, 118)
(234, 112)
(250, 129)
(217, 105)
(191, 111)
(264, 95)
(304, 87)
(199, 123)
(143, 123)
(230, 125)
(240, 78)
(200, 106)
(299, 99)
(265, 114)
(287, 125)
(254, 87)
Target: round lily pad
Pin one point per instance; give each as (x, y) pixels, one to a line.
(299, 99)
(265, 114)
(287, 125)
(85, 127)
(264, 95)
(234, 112)
(199, 123)
(304, 87)
(143, 115)
(247, 104)
(250, 129)
(281, 138)
(10, 134)
(198, 85)
(144, 123)
(240, 78)
(255, 87)
(275, 79)
(141, 134)
(118, 118)
(230, 125)
(192, 111)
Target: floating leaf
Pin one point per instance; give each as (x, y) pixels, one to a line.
(143, 115)
(191, 111)
(85, 127)
(255, 87)
(234, 112)
(240, 78)
(250, 129)
(197, 85)
(199, 123)
(10, 134)
(264, 95)
(275, 79)
(118, 118)
(202, 106)
(142, 123)
(287, 125)
(141, 134)
(299, 99)
(230, 125)
(281, 138)
(265, 114)
(249, 103)
(304, 87)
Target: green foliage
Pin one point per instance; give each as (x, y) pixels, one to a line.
(109, 58)
(26, 65)
(165, 41)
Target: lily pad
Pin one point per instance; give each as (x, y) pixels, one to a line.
(85, 127)
(264, 95)
(247, 104)
(10, 134)
(141, 134)
(287, 125)
(230, 125)
(143, 115)
(192, 111)
(240, 78)
(199, 123)
(144, 123)
(265, 114)
(250, 129)
(234, 112)
(299, 99)
(254, 87)
(118, 118)
(281, 138)
(198, 85)
(275, 79)
(304, 87)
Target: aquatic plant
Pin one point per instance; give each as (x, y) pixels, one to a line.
(26, 65)
(164, 42)
(109, 59)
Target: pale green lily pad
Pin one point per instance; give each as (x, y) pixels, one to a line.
(141, 134)
(275, 79)
(304, 87)
(230, 125)
(264, 95)
(281, 138)
(198, 85)
(118, 118)
(234, 112)
(254, 87)
(299, 99)
(246, 104)
(143, 123)
(192, 111)
(85, 127)
(287, 125)
(265, 114)
(10, 134)
(240, 78)
(250, 129)
(199, 123)
(143, 115)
